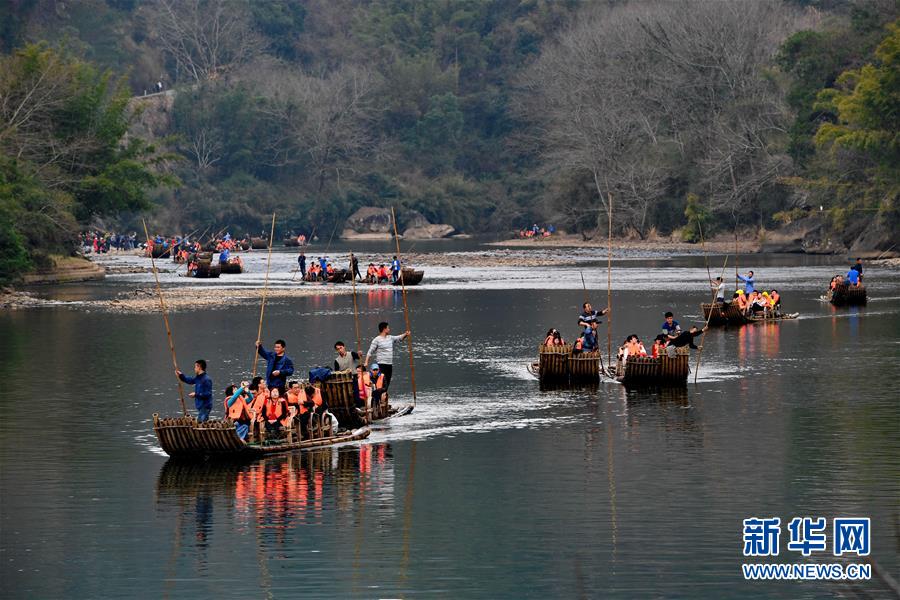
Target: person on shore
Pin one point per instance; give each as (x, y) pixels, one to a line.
(719, 286)
(395, 270)
(749, 282)
(203, 389)
(685, 338)
(301, 264)
(354, 267)
(589, 315)
(344, 361)
(670, 327)
(382, 348)
(278, 366)
(237, 408)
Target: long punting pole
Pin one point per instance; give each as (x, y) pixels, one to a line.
(165, 314)
(609, 286)
(705, 256)
(356, 313)
(586, 300)
(412, 365)
(262, 306)
(706, 327)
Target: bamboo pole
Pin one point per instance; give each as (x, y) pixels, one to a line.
(412, 365)
(356, 314)
(609, 285)
(706, 327)
(262, 306)
(162, 307)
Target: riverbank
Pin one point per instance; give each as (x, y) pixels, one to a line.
(718, 245)
(66, 269)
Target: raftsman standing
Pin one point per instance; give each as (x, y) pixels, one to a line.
(382, 349)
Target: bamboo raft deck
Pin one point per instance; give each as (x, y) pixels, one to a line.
(665, 370)
(559, 364)
(207, 270)
(185, 437)
(844, 295)
(732, 315)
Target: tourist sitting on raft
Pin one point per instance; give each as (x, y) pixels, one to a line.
(587, 341)
(554, 338)
(631, 347)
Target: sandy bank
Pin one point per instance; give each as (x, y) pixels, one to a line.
(716, 245)
(145, 300)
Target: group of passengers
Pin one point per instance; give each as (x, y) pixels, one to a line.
(666, 342)
(749, 301)
(852, 279)
(274, 403)
(587, 341)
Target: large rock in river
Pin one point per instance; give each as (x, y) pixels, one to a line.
(428, 232)
(370, 219)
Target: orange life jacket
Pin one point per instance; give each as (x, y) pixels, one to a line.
(363, 382)
(579, 343)
(274, 409)
(776, 298)
(239, 411)
(259, 402)
(317, 397)
(548, 341)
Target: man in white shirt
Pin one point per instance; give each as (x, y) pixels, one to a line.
(719, 286)
(382, 349)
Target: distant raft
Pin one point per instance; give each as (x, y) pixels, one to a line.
(258, 243)
(206, 270)
(233, 267)
(662, 371)
(184, 437)
(559, 364)
(730, 314)
(410, 276)
(845, 295)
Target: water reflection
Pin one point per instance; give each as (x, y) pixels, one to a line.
(272, 498)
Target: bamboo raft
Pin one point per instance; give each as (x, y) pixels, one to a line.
(644, 370)
(291, 242)
(410, 276)
(233, 268)
(258, 243)
(558, 363)
(732, 315)
(338, 393)
(159, 250)
(206, 270)
(844, 295)
(185, 437)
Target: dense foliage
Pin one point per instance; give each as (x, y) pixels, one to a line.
(64, 154)
(485, 115)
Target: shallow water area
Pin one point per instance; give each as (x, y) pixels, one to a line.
(491, 487)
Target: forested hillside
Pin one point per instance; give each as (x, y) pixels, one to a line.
(484, 115)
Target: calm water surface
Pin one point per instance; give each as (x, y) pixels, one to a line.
(491, 488)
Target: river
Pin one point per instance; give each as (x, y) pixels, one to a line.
(491, 488)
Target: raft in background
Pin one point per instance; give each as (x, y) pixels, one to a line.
(410, 276)
(732, 315)
(206, 270)
(844, 295)
(557, 364)
(665, 370)
(232, 268)
(258, 243)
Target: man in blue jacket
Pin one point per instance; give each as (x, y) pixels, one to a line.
(202, 393)
(278, 366)
(748, 282)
